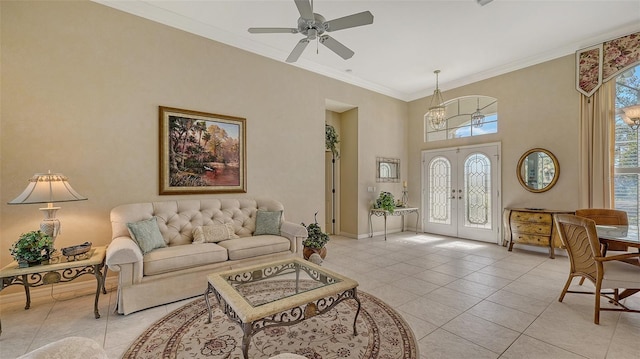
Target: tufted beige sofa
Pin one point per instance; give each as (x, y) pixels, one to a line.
(179, 270)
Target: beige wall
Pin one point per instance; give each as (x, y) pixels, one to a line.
(537, 107)
(81, 86)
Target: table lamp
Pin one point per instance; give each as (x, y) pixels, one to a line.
(48, 188)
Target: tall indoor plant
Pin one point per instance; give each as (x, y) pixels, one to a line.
(331, 140)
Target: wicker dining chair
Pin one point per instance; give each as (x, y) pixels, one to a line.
(606, 216)
(580, 238)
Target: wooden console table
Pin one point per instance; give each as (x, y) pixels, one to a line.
(532, 226)
(59, 270)
(400, 211)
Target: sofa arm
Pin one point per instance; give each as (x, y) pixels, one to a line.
(121, 251)
(295, 233)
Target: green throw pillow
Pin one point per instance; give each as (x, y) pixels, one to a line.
(267, 223)
(147, 235)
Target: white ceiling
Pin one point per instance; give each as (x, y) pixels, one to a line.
(408, 40)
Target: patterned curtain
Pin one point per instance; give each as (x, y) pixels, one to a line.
(598, 64)
(595, 66)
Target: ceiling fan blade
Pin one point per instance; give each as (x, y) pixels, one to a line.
(304, 7)
(336, 47)
(298, 50)
(359, 19)
(272, 30)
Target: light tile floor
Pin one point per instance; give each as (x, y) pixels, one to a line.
(463, 299)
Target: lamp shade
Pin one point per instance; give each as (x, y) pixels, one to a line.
(48, 188)
(632, 111)
(631, 116)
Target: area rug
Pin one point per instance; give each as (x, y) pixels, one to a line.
(382, 333)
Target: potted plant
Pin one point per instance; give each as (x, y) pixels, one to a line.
(315, 241)
(32, 248)
(385, 201)
(331, 139)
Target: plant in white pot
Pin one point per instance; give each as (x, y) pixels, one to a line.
(316, 240)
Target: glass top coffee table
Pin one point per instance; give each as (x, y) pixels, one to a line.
(311, 290)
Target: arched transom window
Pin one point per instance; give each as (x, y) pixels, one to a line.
(465, 117)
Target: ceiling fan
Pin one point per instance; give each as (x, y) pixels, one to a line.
(313, 26)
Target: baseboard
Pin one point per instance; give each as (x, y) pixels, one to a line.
(539, 249)
(348, 235)
(77, 289)
(379, 233)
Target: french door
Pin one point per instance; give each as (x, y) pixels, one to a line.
(461, 192)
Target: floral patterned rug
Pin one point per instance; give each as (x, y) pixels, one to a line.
(382, 333)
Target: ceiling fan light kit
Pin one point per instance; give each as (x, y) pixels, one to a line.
(313, 26)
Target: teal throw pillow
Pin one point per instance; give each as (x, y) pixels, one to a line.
(147, 235)
(267, 223)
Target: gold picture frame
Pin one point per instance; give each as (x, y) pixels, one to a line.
(201, 153)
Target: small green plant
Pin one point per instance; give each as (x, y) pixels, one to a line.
(331, 139)
(385, 201)
(34, 246)
(316, 239)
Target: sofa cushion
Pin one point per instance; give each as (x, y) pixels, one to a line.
(174, 258)
(213, 233)
(268, 222)
(147, 234)
(247, 247)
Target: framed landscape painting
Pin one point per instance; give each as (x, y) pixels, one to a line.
(201, 152)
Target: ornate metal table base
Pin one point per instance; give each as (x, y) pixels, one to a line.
(400, 211)
(35, 280)
(286, 318)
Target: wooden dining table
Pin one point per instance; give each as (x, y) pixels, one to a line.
(624, 234)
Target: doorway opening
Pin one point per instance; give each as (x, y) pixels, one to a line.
(341, 170)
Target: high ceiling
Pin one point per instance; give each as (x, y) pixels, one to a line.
(408, 40)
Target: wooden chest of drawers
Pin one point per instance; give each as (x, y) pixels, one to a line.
(531, 226)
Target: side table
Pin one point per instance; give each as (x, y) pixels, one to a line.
(59, 270)
(399, 211)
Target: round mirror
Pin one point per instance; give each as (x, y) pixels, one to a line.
(538, 170)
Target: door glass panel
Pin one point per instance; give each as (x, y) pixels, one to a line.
(440, 190)
(477, 189)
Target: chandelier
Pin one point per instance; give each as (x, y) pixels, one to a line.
(477, 118)
(631, 116)
(437, 111)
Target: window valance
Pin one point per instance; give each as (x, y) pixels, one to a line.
(599, 63)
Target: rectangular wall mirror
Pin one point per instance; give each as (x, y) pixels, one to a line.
(388, 169)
